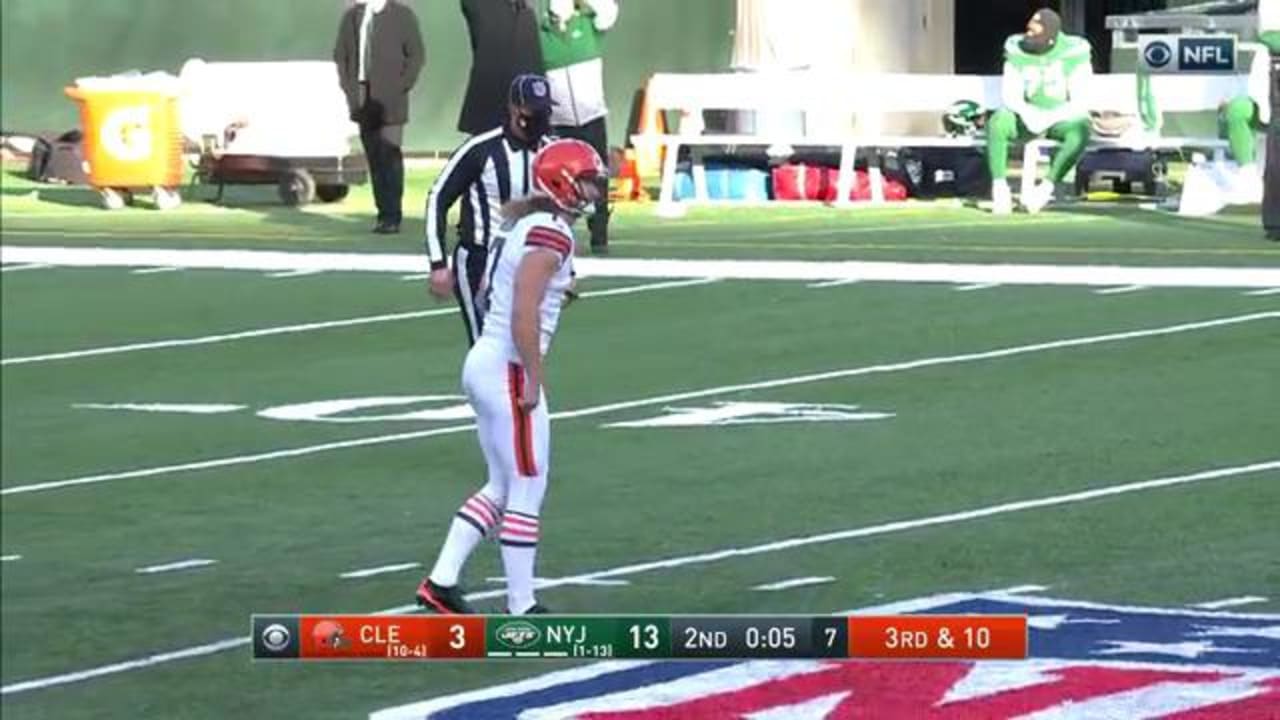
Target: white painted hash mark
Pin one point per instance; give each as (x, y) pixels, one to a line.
(20, 268)
(380, 570)
(10, 558)
(706, 558)
(547, 582)
(171, 567)
(155, 270)
(1122, 290)
(794, 583)
(1264, 292)
(305, 272)
(1231, 602)
(976, 286)
(831, 283)
(188, 408)
(659, 400)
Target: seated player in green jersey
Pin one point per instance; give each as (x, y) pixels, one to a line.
(1046, 73)
(1239, 122)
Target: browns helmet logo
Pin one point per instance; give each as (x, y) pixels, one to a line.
(330, 635)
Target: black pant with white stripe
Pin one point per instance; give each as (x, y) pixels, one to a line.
(468, 268)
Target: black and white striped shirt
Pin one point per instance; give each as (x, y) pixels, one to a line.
(487, 171)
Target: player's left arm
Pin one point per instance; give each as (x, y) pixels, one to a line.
(415, 53)
(532, 278)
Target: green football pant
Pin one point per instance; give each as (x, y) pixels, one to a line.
(1005, 128)
(1239, 124)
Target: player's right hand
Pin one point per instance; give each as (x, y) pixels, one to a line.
(441, 283)
(529, 397)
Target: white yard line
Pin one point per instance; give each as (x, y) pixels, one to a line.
(831, 283)
(1122, 290)
(811, 271)
(1264, 292)
(226, 337)
(10, 558)
(661, 400)
(416, 277)
(646, 288)
(1231, 602)
(155, 270)
(20, 268)
(705, 558)
(171, 567)
(794, 583)
(380, 570)
(976, 286)
(307, 327)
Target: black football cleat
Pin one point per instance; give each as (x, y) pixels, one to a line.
(442, 600)
(537, 610)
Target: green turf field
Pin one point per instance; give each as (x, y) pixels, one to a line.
(982, 398)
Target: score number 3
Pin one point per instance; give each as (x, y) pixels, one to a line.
(459, 640)
(644, 637)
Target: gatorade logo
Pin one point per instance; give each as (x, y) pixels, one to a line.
(126, 134)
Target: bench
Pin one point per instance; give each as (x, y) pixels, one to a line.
(870, 97)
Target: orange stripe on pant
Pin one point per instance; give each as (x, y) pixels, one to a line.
(521, 425)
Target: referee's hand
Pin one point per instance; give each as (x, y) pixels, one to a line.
(441, 283)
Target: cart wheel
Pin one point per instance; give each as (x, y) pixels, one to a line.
(166, 199)
(332, 193)
(112, 199)
(297, 187)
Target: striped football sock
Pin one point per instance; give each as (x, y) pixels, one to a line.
(519, 539)
(477, 517)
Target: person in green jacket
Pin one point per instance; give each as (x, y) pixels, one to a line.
(1046, 72)
(572, 36)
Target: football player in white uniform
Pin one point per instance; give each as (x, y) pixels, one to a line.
(527, 281)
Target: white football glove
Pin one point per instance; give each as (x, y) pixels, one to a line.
(562, 10)
(606, 13)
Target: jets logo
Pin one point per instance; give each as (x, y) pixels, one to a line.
(518, 635)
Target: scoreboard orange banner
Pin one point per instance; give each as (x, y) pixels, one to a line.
(391, 637)
(938, 637)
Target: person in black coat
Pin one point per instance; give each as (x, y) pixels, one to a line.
(504, 45)
(379, 53)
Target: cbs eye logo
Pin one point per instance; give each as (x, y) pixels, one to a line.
(1157, 55)
(276, 637)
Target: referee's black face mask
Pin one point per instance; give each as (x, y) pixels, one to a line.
(530, 126)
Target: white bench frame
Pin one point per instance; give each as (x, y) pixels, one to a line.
(872, 96)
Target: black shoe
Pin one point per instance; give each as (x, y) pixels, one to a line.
(537, 609)
(386, 228)
(442, 600)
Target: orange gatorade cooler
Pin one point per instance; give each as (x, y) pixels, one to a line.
(132, 140)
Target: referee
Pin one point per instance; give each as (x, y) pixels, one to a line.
(486, 172)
